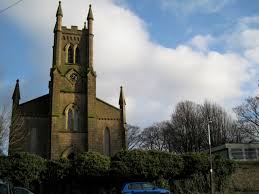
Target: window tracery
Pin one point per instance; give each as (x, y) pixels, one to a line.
(70, 54)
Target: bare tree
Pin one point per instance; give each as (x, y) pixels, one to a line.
(154, 137)
(187, 129)
(236, 134)
(18, 133)
(134, 137)
(4, 129)
(221, 123)
(248, 117)
(12, 131)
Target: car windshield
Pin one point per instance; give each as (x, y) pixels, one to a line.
(3, 189)
(19, 190)
(135, 186)
(140, 186)
(147, 186)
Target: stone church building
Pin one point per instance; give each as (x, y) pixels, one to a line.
(70, 117)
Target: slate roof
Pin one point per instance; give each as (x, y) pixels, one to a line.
(38, 107)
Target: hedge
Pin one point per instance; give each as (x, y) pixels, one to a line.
(22, 169)
(148, 165)
(28, 170)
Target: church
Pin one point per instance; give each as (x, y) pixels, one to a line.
(70, 118)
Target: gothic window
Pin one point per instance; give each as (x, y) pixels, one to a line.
(107, 142)
(76, 117)
(70, 119)
(70, 55)
(77, 55)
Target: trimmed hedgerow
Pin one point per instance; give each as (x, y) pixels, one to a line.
(148, 165)
(28, 170)
(90, 164)
(22, 169)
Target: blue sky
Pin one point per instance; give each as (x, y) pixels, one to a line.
(161, 51)
(171, 25)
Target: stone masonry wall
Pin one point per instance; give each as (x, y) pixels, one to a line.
(67, 140)
(108, 117)
(246, 177)
(37, 141)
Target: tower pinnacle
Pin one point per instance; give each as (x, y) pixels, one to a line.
(59, 10)
(122, 101)
(90, 13)
(90, 37)
(16, 94)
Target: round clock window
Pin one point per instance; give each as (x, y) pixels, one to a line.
(74, 77)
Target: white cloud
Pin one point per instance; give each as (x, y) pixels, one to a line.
(243, 35)
(200, 6)
(202, 42)
(253, 54)
(154, 77)
(249, 20)
(244, 39)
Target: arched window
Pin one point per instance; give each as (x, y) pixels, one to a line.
(72, 115)
(107, 142)
(70, 119)
(76, 117)
(77, 56)
(70, 55)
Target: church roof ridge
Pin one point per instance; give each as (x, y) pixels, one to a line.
(107, 103)
(35, 99)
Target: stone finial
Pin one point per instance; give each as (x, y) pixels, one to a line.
(90, 13)
(59, 10)
(122, 101)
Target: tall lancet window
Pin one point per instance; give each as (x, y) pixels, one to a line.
(70, 55)
(107, 142)
(77, 56)
(70, 119)
(76, 117)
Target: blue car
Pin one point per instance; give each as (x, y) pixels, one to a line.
(142, 187)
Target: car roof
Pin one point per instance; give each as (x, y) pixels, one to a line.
(21, 188)
(137, 182)
(134, 182)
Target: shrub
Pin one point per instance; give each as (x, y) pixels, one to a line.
(23, 169)
(57, 170)
(147, 165)
(28, 170)
(91, 164)
(195, 163)
(223, 169)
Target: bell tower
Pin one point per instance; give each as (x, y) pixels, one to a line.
(72, 87)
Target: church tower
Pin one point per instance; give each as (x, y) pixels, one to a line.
(70, 118)
(76, 115)
(72, 87)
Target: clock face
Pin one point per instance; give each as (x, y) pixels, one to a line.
(74, 77)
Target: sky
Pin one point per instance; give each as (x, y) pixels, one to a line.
(161, 51)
